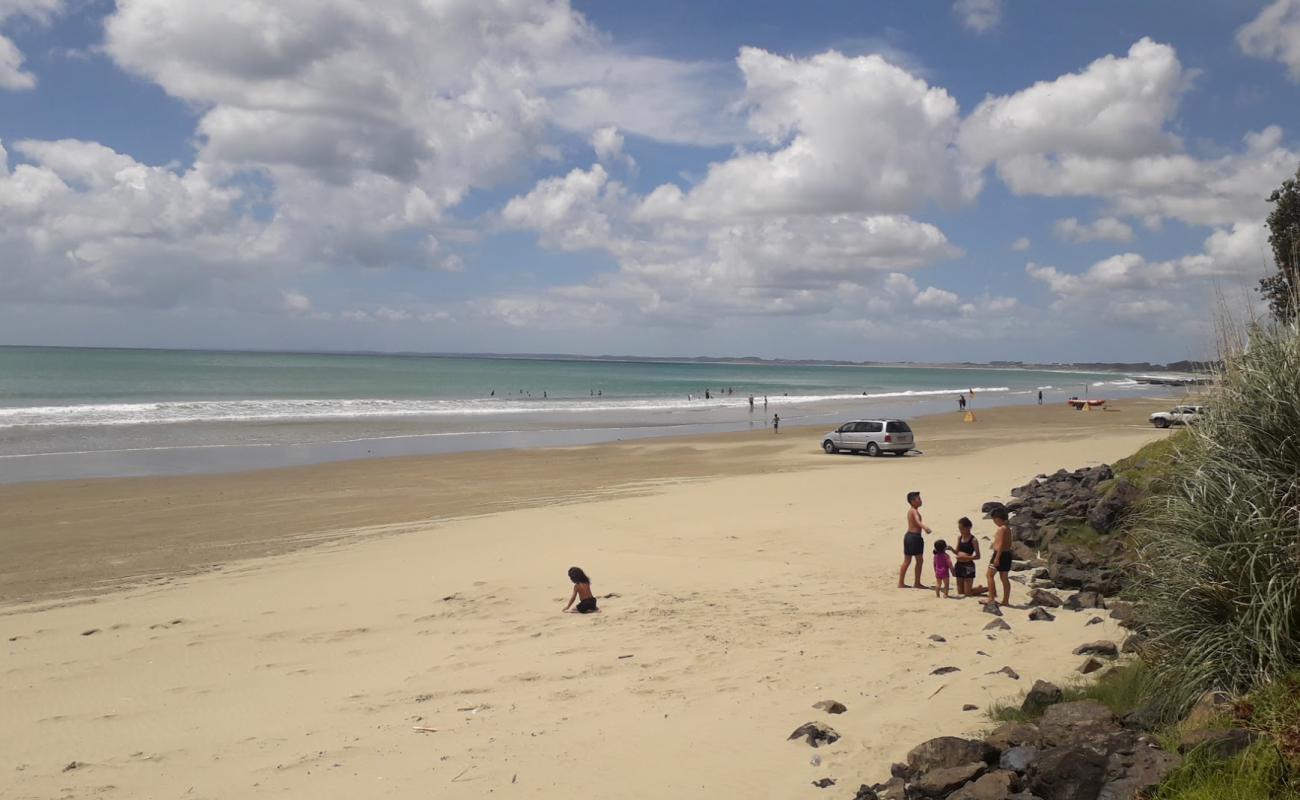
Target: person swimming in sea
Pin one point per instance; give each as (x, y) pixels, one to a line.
(581, 592)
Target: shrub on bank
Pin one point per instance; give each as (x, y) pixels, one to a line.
(1218, 540)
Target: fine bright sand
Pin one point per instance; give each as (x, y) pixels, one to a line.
(754, 577)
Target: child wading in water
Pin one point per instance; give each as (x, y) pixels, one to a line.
(942, 567)
(581, 592)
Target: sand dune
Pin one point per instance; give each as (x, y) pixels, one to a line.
(752, 581)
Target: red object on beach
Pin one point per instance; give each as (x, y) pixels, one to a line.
(1077, 403)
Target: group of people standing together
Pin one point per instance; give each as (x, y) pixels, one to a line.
(959, 561)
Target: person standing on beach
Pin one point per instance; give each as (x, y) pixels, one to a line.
(961, 402)
(913, 542)
(1040, 397)
(764, 402)
(1000, 565)
(776, 423)
(968, 555)
(751, 404)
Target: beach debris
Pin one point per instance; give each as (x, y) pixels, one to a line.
(462, 772)
(824, 783)
(1041, 695)
(936, 691)
(610, 596)
(831, 706)
(1095, 621)
(997, 625)
(992, 608)
(934, 637)
(1042, 597)
(1040, 615)
(815, 733)
(816, 760)
(423, 729)
(73, 765)
(981, 653)
(1090, 665)
(1008, 671)
(970, 707)
(90, 632)
(945, 670)
(629, 655)
(1104, 648)
(423, 698)
(454, 596)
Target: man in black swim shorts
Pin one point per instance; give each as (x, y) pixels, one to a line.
(913, 542)
(1000, 564)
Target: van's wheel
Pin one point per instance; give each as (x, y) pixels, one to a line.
(830, 447)
(872, 449)
(1162, 423)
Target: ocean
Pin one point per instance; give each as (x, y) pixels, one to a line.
(88, 412)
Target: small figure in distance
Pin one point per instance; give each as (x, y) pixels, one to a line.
(913, 541)
(961, 402)
(581, 592)
(1000, 565)
(776, 423)
(1040, 397)
(968, 555)
(942, 568)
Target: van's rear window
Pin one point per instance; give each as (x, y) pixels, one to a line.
(897, 426)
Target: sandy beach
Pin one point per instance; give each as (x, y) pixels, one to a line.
(283, 633)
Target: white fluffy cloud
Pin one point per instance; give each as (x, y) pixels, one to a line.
(847, 134)
(1275, 34)
(1021, 245)
(980, 16)
(1072, 230)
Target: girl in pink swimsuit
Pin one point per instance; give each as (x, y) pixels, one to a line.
(942, 568)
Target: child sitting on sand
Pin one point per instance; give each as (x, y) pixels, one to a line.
(581, 592)
(942, 567)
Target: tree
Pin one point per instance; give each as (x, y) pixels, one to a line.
(1281, 289)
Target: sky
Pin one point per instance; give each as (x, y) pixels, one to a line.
(845, 179)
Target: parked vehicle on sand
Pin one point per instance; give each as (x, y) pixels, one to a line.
(870, 436)
(1178, 415)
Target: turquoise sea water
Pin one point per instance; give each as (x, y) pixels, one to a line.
(90, 402)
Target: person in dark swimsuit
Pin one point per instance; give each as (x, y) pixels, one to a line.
(967, 555)
(1000, 564)
(581, 592)
(913, 542)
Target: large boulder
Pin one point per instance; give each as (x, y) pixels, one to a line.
(1113, 506)
(1044, 598)
(1081, 721)
(939, 783)
(816, 733)
(1086, 599)
(1041, 695)
(1067, 773)
(1014, 734)
(1135, 773)
(948, 751)
(1018, 759)
(996, 785)
(1103, 648)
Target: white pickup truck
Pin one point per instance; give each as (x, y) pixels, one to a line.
(1179, 415)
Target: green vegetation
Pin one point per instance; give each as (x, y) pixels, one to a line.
(1282, 288)
(1078, 532)
(1218, 541)
(1150, 468)
(1120, 689)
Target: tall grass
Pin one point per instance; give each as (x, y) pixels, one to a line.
(1218, 543)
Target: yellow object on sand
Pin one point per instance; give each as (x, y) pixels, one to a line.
(970, 416)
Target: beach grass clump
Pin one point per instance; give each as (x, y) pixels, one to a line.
(1121, 689)
(1218, 540)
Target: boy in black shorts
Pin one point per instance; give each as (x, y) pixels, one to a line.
(1000, 564)
(913, 542)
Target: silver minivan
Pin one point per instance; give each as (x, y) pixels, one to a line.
(871, 436)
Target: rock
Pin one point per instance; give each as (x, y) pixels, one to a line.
(1095, 621)
(89, 632)
(1020, 566)
(1082, 600)
(1090, 665)
(893, 789)
(970, 707)
(898, 770)
(1067, 773)
(945, 670)
(1042, 597)
(1208, 709)
(1041, 695)
(988, 507)
(1142, 718)
(1078, 722)
(1222, 743)
(942, 781)
(997, 625)
(1018, 759)
(1023, 552)
(1041, 574)
(865, 792)
(1137, 773)
(824, 783)
(995, 785)
(1008, 671)
(73, 765)
(934, 637)
(1103, 648)
(1122, 612)
(831, 706)
(1110, 510)
(992, 608)
(816, 733)
(1009, 735)
(948, 751)
(1040, 615)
